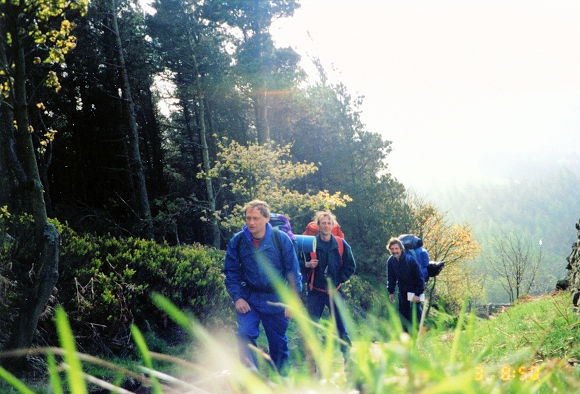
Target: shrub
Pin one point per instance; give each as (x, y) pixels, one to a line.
(106, 282)
(363, 297)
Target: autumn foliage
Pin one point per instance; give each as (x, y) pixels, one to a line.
(453, 244)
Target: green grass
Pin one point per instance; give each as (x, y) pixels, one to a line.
(526, 349)
(547, 325)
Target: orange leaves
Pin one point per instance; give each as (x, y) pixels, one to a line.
(454, 244)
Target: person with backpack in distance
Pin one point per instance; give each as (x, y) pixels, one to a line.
(332, 260)
(250, 287)
(404, 271)
(414, 245)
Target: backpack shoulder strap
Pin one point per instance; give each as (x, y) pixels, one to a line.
(277, 241)
(340, 243)
(278, 245)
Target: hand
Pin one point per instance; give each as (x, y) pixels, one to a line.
(312, 263)
(242, 306)
(392, 298)
(416, 299)
(287, 314)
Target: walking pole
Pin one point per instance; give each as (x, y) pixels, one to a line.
(423, 313)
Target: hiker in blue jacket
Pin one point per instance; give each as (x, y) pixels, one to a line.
(332, 260)
(403, 269)
(414, 246)
(251, 289)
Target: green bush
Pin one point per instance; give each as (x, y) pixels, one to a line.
(363, 297)
(106, 283)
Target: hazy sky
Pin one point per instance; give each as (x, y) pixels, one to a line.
(452, 83)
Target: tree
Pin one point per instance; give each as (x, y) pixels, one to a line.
(223, 64)
(453, 244)
(323, 124)
(251, 171)
(134, 154)
(36, 35)
(259, 63)
(94, 174)
(182, 29)
(515, 262)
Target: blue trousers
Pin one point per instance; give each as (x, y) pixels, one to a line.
(275, 326)
(406, 310)
(316, 302)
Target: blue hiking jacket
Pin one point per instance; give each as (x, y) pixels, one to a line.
(245, 276)
(407, 273)
(340, 269)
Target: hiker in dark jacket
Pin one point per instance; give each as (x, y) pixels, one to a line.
(403, 269)
(248, 284)
(332, 261)
(414, 246)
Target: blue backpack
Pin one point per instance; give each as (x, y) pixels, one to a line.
(414, 245)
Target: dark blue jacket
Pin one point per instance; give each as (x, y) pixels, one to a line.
(339, 271)
(243, 267)
(407, 273)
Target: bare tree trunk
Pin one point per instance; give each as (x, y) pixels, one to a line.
(516, 264)
(192, 142)
(151, 127)
(431, 293)
(11, 172)
(37, 265)
(201, 123)
(37, 296)
(136, 164)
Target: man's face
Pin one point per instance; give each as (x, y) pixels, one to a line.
(325, 226)
(395, 251)
(256, 222)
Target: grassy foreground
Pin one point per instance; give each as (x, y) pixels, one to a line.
(531, 347)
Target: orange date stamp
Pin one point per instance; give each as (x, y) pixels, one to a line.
(508, 373)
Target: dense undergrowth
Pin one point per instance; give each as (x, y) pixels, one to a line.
(105, 285)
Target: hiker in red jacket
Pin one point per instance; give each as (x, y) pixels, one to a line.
(332, 260)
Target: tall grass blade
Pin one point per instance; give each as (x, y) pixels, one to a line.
(145, 355)
(55, 381)
(14, 382)
(75, 372)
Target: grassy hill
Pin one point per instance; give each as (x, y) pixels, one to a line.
(532, 347)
